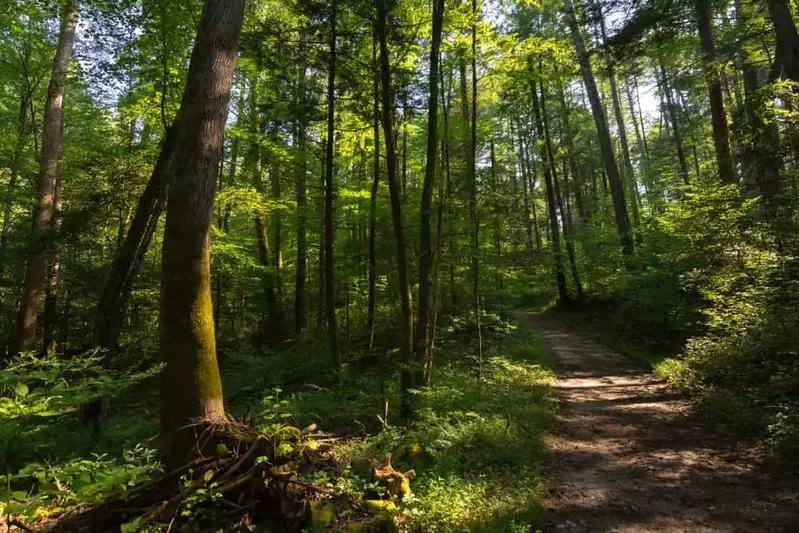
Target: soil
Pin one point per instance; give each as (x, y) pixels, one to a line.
(630, 455)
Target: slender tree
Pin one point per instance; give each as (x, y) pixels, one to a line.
(330, 288)
(403, 278)
(425, 232)
(605, 143)
(721, 140)
(52, 134)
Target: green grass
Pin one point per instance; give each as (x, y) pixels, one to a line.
(476, 446)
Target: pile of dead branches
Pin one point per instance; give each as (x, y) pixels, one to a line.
(249, 477)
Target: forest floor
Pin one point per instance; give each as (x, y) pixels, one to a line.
(629, 455)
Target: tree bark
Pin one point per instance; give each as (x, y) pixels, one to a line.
(24, 338)
(406, 318)
(50, 315)
(528, 223)
(629, 172)
(605, 143)
(675, 126)
(330, 288)
(301, 273)
(191, 388)
(130, 255)
(787, 38)
(370, 320)
(640, 131)
(721, 136)
(425, 233)
(554, 230)
(578, 286)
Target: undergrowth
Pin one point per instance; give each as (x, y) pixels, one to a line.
(475, 446)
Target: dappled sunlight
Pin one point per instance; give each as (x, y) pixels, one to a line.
(628, 454)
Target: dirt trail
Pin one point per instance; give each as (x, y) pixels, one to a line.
(630, 455)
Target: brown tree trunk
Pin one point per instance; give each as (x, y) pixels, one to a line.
(628, 176)
(330, 287)
(787, 38)
(473, 195)
(301, 273)
(406, 325)
(129, 256)
(675, 126)
(528, 223)
(425, 233)
(721, 137)
(554, 230)
(578, 286)
(640, 131)
(191, 388)
(605, 143)
(50, 315)
(370, 320)
(24, 337)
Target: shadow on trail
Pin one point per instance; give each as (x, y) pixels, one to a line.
(630, 455)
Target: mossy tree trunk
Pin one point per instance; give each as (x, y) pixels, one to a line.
(191, 389)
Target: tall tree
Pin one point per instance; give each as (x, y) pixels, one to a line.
(403, 278)
(191, 388)
(330, 288)
(557, 252)
(605, 142)
(425, 232)
(52, 133)
(721, 140)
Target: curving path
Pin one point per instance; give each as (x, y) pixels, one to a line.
(629, 455)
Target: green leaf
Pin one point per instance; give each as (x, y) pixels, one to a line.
(21, 390)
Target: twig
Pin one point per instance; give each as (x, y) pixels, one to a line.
(20, 525)
(310, 487)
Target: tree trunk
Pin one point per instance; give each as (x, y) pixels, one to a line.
(787, 38)
(330, 288)
(16, 162)
(473, 195)
(675, 126)
(640, 131)
(130, 255)
(50, 315)
(578, 286)
(567, 139)
(24, 338)
(425, 232)
(370, 320)
(191, 388)
(628, 175)
(301, 273)
(605, 143)
(721, 140)
(554, 231)
(406, 326)
(528, 223)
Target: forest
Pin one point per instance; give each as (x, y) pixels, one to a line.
(399, 265)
